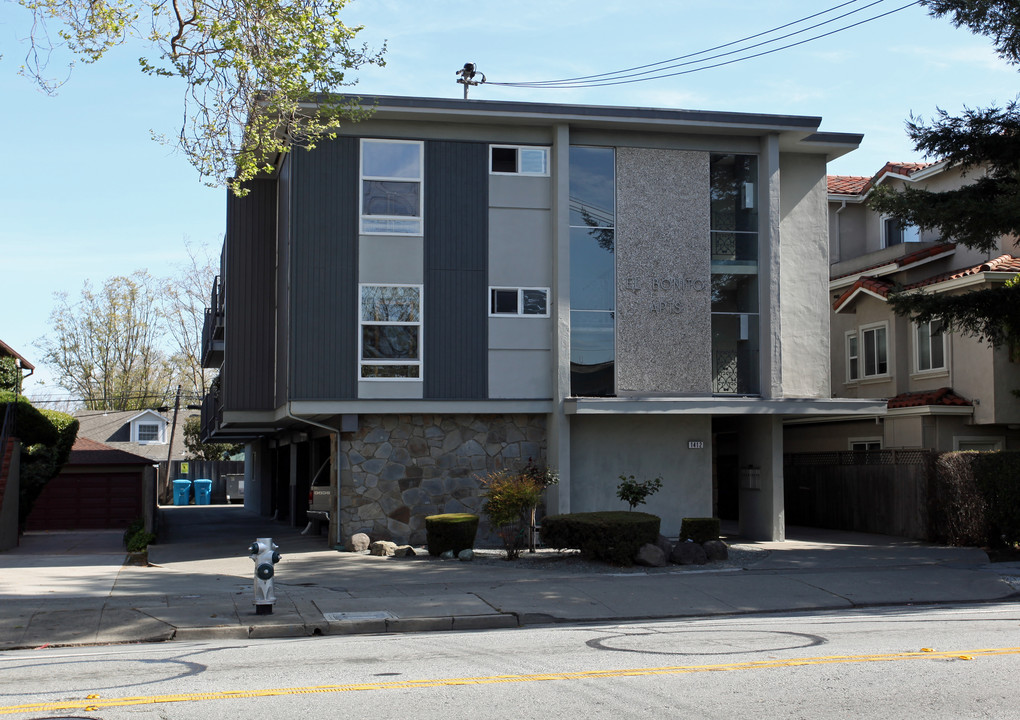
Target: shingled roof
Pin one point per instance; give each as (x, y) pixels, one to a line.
(90, 452)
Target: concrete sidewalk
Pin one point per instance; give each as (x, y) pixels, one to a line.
(73, 588)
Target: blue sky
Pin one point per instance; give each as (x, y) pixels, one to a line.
(87, 194)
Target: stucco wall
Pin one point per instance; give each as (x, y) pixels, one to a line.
(645, 446)
(804, 276)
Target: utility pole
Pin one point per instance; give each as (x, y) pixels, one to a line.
(467, 77)
(170, 441)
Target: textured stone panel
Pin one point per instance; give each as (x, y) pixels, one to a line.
(663, 271)
(389, 499)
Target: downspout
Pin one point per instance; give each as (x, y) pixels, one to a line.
(839, 246)
(332, 431)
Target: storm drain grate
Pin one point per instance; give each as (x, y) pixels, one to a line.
(349, 616)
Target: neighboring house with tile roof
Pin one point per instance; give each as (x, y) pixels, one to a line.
(945, 391)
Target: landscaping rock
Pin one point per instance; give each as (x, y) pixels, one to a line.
(716, 550)
(664, 544)
(446, 555)
(383, 548)
(688, 553)
(360, 542)
(405, 551)
(650, 556)
(466, 555)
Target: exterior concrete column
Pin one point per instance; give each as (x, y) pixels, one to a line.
(760, 455)
(558, 425)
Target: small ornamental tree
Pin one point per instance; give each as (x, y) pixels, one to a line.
(511, 498)
(635, 493)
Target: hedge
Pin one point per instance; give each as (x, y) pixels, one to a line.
(613, 536)
(450, 531)
(975, 499)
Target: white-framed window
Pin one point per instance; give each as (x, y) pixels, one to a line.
(519, 160)
(391, 187)
(389, 345)
(865, 444)
(874, 345)
(895, 232)
(979, 443)
(518, 302)
(929, 346)
(148, 432)
(853, 357)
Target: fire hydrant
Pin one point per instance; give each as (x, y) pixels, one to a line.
(264, 555)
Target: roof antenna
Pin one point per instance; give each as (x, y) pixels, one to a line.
(467, 77)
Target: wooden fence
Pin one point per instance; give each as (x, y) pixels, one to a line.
(883, 491)
(215, 470)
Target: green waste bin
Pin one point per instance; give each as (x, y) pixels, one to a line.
(203, 491)
(182, 492)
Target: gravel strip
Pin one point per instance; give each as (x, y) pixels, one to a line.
(570, 561)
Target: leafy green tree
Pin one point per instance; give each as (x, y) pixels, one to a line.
(248, 68)
(10, 374)
(985, 144)
(46, 437)
(106, 347)
(198, 450)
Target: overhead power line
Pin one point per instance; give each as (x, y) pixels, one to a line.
(629, 75)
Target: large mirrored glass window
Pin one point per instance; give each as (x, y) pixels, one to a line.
(592, 271)
(735, 288)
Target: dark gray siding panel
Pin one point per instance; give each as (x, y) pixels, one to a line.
(456, 269)
(249, 282)
(282, 273)
(324, 271)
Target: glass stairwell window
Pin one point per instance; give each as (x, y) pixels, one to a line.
(592, 271)
(734, 248)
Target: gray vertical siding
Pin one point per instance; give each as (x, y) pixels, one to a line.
(455, 333)
(324, 271)
(282, 273)
(249, 330)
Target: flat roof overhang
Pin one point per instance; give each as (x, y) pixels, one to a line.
(785, 407)
(797, 133)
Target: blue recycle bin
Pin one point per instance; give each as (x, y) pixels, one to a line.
(203, 491)
(182, 492)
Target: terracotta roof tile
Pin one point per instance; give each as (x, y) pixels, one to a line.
(871, 284)
(846, 184)
(90, 452)
(942, 396)
(909, 258)
(859, 185)
(1003, 263)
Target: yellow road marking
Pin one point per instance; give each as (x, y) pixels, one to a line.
(94, 704)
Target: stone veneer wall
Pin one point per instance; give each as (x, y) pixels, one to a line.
(398, 469)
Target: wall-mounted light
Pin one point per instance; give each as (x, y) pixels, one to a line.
(747, 197)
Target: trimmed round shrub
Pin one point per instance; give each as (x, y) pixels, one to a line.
(699, 530)
(450, 531)
(612, 536)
